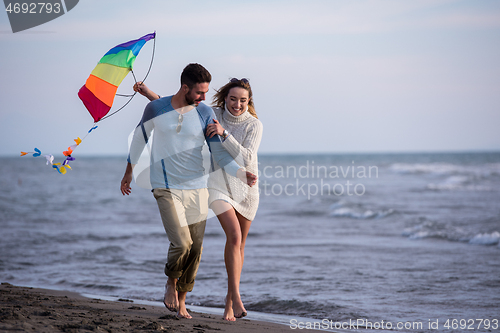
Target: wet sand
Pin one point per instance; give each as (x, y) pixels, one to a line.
(24, 309)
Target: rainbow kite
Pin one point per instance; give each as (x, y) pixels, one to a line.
(99, 91)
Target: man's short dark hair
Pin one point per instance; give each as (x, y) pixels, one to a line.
(193, 74)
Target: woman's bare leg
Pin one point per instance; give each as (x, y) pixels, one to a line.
(244, 229)
(236, 229)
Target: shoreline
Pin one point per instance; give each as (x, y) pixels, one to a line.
(46, 310)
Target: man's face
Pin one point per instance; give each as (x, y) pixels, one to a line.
(197, 93)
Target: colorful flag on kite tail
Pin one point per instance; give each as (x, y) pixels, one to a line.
(99, 91)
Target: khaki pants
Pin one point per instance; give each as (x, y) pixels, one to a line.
(184, 216)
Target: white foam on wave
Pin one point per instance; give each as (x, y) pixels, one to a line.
(486, 239)
(458, 183)
(360, 214)
(426, 229)
(417, 235)
(451, 183)
(437, 168)
(482, 170)
(457, 177)
(433, 229)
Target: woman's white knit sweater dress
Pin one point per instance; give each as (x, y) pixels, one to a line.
(243, 142)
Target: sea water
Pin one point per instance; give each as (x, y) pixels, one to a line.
(409, 239)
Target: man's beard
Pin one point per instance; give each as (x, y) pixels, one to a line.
(189, 99)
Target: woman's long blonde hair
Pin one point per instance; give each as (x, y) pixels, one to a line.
(221, 94)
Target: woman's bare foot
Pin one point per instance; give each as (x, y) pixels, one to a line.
(171, 299)
(239, 309)
(241, 315)
(228, 310)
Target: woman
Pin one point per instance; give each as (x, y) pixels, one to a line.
(234, 202)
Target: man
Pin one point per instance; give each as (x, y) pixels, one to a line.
(177, 175)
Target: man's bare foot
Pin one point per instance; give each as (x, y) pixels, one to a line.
(171, 299)
(228, 310)
(183, 313)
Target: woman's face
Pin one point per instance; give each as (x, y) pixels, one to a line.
(237, 100)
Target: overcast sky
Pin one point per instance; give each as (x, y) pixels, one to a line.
(328, 76)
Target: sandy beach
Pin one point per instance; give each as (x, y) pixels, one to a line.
(24, 309)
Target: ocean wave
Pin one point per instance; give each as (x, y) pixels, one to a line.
(452, 177)
(358, 212)
(101, 238)
(108, 250)
(92, 286)
(482, 170)
(454, 183)
(110, 254)
(486, 239)
(432, 229)
(435, 168)
(304, 213)
(298, 308)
